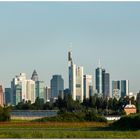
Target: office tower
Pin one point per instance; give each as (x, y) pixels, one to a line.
(57, 85)
(18, 88)
(48, 94)
(34, 76)
(1, 96)
(22, 89)
(124, 88)
(88, 86)
(102, 82)
(75, 79)
(106, 85)
(40, 90)
(18, 94)
(116, 89)
(7, 95)
(30, 90)
(99, 81)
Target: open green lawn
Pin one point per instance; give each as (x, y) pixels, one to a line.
(62, 130)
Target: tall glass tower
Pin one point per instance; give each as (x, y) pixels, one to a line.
(99, 81)
(57, 86)
(102, 82)
(124, 88)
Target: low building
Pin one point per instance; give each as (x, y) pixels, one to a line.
(130, 109)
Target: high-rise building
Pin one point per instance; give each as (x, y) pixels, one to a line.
(1, 96)
(7, 95)
(124, 88)
(88, 86)
(116, 89)
(48, 94)
(18, 88)
(34, 76)
(75, 79)
(99, 81)
(40, 90)
(22, 89)
(106, 85)
(30, 90)
(57, 85)
(102, 82)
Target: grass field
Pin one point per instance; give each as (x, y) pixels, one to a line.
(62, 130)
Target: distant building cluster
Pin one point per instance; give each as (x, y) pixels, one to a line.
(80, 86)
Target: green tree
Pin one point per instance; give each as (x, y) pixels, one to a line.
(138, 102)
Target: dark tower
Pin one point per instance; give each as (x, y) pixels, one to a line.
(34, 76)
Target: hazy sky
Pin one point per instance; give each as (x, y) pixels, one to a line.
(37, 35)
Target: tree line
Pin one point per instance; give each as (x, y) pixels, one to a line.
(99, 105)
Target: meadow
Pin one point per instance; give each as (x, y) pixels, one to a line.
(26, 129)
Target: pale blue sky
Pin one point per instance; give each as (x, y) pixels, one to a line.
(36, 35)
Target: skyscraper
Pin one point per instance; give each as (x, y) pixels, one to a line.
(102, 82)
(88, 86)
(99, 81)
(7, 95)
(1, 96)
(57, 85)
(22, 89)
(106, 85)
(34, 76)
(18, 88)
(124, 88)
(48, 94)
(116, 89)
(75, 79)
(30, 90)
(40, 90)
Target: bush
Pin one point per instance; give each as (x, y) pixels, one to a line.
(130, 122)
(4, 114)
(73, 117)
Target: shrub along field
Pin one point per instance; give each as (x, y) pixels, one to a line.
(74, 117)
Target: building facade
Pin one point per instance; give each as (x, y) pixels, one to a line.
(88, 86)
(40, 90)
(75, 80)
(8, 96)
(99, 81)
(116, 92)
(57, 86)
(34, 76)
(124, 88)
(30, 90)
(48, 94)
(102, 82)
(106, 85)
(22, 89)
(1, 96)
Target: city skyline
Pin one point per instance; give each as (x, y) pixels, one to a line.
(37, 35)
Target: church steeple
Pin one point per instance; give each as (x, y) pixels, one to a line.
(34, 76)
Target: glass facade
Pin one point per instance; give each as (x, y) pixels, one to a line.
(106, 85)
(99, 81)
(40, 90)
(124, 88)
(57, 85)
(18, 91)
(7, 96)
